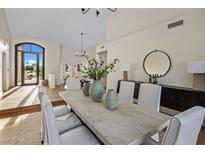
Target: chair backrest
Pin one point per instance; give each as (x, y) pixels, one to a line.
(184, 128)
(52, 135)
(149, 96)
(126, 92)
(41, 92)
(73, 83)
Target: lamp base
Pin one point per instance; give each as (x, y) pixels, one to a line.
(125, 75)
(199, 82)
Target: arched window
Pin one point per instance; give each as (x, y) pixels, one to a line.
(30, 61)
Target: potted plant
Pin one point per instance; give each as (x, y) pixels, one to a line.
(96, 70)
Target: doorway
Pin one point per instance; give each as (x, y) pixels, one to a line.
(29, 68)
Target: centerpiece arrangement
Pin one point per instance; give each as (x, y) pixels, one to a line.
(96, 70)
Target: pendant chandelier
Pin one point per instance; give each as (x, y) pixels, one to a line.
(85, 10)
(81, 47)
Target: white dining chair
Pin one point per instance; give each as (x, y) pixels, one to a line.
(76, 136)
(72, 83)
(65, 122)
(149, 97)
(60, 110)
(126, 92)
(183, 128)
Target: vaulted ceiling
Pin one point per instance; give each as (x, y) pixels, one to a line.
(60, 25)
(65, 25)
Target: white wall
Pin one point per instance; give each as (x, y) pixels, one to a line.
(68, 56)
(5, 36)
(183, 44)
(52, 56)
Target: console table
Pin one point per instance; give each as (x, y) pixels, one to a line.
(177, 98)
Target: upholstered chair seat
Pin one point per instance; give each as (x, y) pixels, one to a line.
(77, 136)
(66, 120)
(150, 141)
(62, 110)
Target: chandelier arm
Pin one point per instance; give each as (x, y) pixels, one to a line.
(113, 10)
(81, 43)
(85, 10)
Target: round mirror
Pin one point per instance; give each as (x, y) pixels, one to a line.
(157, 63)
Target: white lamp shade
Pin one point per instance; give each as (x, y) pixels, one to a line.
(196, 67)
(125, 67)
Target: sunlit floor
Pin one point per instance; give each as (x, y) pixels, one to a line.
(32, 80)
(19, 96)
(24, 129)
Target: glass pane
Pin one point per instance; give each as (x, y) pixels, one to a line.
(36, 48)
(20, 47)
(26, 47)
(40, 66)
(30, 71)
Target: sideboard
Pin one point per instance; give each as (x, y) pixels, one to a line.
(177, 98)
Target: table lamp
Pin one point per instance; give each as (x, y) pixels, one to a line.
(125, 69)
(198, 70)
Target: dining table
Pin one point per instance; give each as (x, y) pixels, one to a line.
(128, 123)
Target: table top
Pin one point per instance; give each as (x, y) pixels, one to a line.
(127, 124)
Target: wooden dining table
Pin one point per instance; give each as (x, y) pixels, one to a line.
(128, 124)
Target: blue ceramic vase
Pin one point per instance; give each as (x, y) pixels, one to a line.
(111, 99)
(97, 91)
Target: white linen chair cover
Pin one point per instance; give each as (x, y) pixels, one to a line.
(52, 135)
(72, 83)
(126, 92)
(60, 110)
(66, 120)
(78, 135)
(149, 97)
(183, 128)
(41, 92)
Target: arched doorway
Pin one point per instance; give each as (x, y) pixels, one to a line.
(29, 63)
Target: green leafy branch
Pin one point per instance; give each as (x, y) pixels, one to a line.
(96, 69)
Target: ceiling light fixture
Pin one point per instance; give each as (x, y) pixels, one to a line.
(85, 10)
(81, 47)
